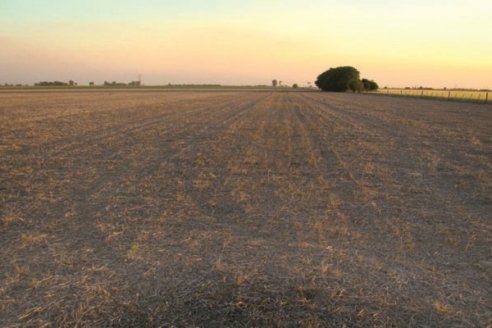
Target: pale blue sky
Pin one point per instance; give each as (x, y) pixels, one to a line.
(98, 10)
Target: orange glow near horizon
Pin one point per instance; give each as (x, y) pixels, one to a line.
(394, 47)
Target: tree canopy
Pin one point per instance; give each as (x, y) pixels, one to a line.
(337, 79)
(344, 78)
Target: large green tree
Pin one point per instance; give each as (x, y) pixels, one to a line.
(339, 79)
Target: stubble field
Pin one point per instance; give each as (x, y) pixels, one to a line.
(193, 209)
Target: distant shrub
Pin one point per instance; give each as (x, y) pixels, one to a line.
(295, 86)
(370, 85)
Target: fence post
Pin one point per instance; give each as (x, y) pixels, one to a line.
(422, 94)
(486, 97)
(449, 95)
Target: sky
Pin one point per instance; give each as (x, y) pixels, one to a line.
(440, 43)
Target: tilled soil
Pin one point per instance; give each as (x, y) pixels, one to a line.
(209, 209)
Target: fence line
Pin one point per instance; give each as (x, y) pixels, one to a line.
(474, 96)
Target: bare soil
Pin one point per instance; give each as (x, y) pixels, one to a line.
(208, 209)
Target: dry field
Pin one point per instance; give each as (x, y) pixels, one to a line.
(209, 209)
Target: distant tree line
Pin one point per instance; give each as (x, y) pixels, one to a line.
(122, 84)
(194, 85)
(73, 83)
(344, 78)
(277, 83)
(14, 85)
(55, 84)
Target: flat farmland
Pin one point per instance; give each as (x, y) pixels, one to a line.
(208, 209)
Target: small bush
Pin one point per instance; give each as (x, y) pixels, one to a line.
(370, 85)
